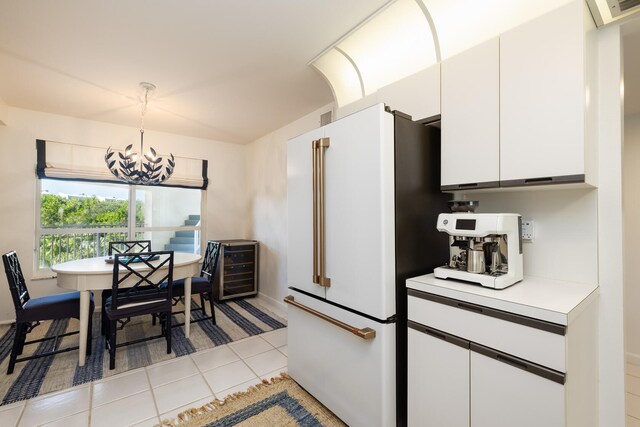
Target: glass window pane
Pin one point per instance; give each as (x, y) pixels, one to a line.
(79, 219)
(74, 204)
(167, 207)
(178, 241)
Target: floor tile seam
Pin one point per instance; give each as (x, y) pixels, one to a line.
(21, 414)
(283, 353)
(631, 416)
(175, 381)
(632, 393)
(202, 376)
(242, 358)
(50, 420)
(153, 395)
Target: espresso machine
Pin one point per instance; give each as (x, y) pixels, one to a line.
(484, 248)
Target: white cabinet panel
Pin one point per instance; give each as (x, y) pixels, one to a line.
(506, 396)
(361, 373)
(438, 382)
(471, 117)
(542, 96)
(299, 211)
(359, 211)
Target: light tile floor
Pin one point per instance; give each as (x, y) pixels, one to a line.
(143, 397)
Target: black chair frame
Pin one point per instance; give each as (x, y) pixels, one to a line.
(150, 290)
(122, 247)
(208, 271)
(20, 296)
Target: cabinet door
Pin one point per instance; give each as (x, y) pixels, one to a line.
(542, 97)
(359, 212)
(470, 118)
(505, 395)
(438, 378)
(300, 213)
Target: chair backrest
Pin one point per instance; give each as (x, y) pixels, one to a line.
(210, 261)
(17, 284)
(131, 286)
(128, 246)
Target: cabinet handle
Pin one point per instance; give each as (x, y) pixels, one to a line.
(471, 184)
(512, 362)
(435, 334)
(536, 180)
(470, 307)
(364, 333)
(530, 367)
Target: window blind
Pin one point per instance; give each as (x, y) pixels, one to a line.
(59, 160)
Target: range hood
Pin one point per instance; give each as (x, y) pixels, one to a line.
(607, 11)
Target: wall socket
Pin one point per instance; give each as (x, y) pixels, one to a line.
(527, 230)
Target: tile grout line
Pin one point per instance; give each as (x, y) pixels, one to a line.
(153, 395)
(202, 376)
(21, 413)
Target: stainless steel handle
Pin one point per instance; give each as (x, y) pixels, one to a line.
(364, 333)
(319, 244)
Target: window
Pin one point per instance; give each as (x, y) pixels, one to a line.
(78, 219)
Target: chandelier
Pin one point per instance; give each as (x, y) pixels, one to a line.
(140, 168)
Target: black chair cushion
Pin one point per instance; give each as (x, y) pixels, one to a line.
(198, 286)
(52, 307)
(129, 310)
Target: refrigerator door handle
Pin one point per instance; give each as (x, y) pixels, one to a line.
(314, 177)
(319, 147)
(364, 333)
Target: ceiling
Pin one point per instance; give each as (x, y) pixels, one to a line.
(225, 70)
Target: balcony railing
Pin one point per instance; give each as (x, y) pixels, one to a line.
(58, 245)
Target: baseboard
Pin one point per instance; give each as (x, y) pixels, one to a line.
(632, 358)
(279, 308)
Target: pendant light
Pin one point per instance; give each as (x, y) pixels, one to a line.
(140, 168)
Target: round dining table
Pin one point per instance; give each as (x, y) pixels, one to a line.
(96, 274)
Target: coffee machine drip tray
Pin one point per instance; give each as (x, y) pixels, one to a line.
(495, 280)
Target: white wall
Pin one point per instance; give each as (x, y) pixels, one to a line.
(565, 245)
(631, 209)
(267, 190)
(226, 195)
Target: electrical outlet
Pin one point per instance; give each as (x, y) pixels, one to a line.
(527, 230)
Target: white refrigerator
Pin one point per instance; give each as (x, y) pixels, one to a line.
(363, 199)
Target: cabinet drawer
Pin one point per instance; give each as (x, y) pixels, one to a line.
(483, 325)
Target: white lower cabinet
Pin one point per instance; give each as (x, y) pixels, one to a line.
(438, 382)
(505, 395)
(455, 379)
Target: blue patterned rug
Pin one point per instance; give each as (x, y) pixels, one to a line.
(280, 402)
(234, 320)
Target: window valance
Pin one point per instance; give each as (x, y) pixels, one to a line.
(58, 160)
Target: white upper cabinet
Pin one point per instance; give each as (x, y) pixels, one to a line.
(545, 134)
(471, 118)
(516, 110)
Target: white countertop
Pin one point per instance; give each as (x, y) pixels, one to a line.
(545, 299)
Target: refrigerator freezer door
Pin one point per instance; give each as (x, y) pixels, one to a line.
(359, 210)
(300, 213)
(352, 376)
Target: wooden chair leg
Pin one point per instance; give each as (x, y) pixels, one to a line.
(168, 331)
(213, 313)
(17, 339)
(112, 344)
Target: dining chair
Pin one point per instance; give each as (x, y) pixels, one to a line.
(136, 293)
(202, 285)
(31, 311)
(121, 247)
